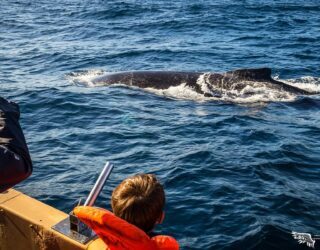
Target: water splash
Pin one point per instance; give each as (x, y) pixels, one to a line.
(181, 91)
(84, 78)
(309, 83)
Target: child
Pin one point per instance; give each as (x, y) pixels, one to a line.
(137, 204)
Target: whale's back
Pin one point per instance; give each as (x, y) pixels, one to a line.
(150, 79)
(261, 74)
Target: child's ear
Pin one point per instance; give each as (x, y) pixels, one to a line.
(161, 218)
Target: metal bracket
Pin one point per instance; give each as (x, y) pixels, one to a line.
(75, 229)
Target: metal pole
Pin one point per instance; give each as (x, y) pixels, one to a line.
(106, 171)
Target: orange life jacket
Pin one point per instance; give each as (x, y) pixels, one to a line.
(118, 234)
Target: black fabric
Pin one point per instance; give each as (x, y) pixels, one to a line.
(15, 161)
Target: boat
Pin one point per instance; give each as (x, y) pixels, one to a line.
(27, 223)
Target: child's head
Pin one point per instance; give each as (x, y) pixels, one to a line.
(140, 201)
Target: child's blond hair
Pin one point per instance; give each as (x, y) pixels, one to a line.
(139, 200)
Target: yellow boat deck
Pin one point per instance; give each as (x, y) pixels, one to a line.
(25, 223)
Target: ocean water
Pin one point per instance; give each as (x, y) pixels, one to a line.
(239, 173)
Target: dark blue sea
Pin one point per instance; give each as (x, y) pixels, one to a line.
(239, 172)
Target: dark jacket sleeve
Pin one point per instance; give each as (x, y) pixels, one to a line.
(15, 161)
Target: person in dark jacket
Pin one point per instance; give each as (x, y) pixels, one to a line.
(15, 161)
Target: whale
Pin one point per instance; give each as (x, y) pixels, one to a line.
(207, 83)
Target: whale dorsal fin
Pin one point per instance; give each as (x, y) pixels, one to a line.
(252, 74)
